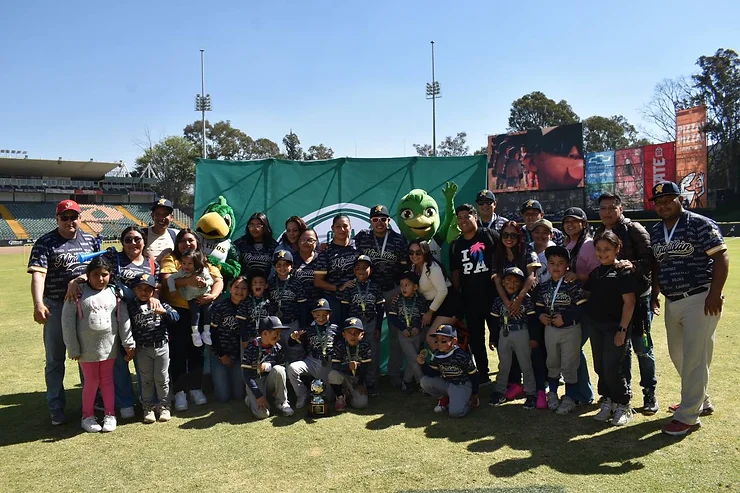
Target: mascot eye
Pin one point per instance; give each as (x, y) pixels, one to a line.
(430, 211)
(407, 213)
(227, 220)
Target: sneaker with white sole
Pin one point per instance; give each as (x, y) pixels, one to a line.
(109, 423)
(340, 405)
(206, 337)
(442, 404)
(605, 413)
(127, 412)
(197, 341)
(164, 415)
(198, 397)
(566, 405)
(181, 401)
(552, 401)
(91, 425)
(286, 409)
(149, 416)
(622, 415)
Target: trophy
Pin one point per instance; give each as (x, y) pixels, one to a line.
(318, 405)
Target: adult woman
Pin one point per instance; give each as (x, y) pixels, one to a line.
(334, 268)
(186, 360)
(294, 228)
(435, 287)
(511, 251)
(257, 245)
(225, 367)
(304, 264)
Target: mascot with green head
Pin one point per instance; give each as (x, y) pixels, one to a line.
(215, 227)
(419, 217)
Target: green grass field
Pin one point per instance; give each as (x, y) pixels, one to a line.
(399, 444)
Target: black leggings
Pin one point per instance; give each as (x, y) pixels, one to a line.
(186, 360)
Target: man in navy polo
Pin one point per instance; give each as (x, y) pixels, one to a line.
(53, 264)
(692, 270)
(487, 217)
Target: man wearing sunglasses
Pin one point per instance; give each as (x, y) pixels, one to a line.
(487, 217)
(160, 238)
(389, 252)
(52, 265)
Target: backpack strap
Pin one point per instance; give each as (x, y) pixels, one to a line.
(151, 266)
(173, 235)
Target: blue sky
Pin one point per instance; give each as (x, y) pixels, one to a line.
(86, 80)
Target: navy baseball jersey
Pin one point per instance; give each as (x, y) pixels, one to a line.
(255, 256)
(287, 297)
(567, 300)
(521, 321)
(344, 353)
(148, 327)
(389, 254)
(684, 262)
(56, 257)
(249, 313)
(496, 222)
(304, 272)
(225, 331)
(406, 313)
(455, 366)
(127, 270)
(337, 263)
(362, 300)
(319, 341)
(256, 353)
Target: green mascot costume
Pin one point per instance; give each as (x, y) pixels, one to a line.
(215, 227)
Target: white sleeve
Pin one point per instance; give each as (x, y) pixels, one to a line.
(438, 281)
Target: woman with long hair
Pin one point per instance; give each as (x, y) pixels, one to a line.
(512, 251)
(289, 240)
(257, 245)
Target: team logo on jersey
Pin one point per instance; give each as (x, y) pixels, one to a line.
(321, 219)
(675, 248)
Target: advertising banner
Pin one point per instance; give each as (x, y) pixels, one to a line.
(629, 179)
(599, 175)
(539, 159)
(691, 156)
(660, 165)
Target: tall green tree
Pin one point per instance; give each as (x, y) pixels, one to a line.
(605, 134)
(293, 149)
(450, 146)
(172, 163)
(536, 110)
(423, 149)
(319, 152)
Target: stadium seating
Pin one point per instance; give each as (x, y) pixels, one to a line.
(36, 217)
(5, 232)
(140, 211)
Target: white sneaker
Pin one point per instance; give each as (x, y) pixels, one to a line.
(607, 408)
(566, 405)
(286, 409)
(622, 415)
(91, 425)
(198, 397)
(206, 337)
(181, 401)
(127, 412)
(164, 415)
(552, 401)
(197, 341)
(109, 423)
(149, 416)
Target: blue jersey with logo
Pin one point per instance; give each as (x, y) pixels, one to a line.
(366, 293)
(337, 263)
(407, 313)
(287, 296)
(255, 256)
(304, 272)
(685, 262)
(127, 270)
(56, 256)
(456, 366)
(249, 313)
(225, 329)
(568, 301)
(388, 263)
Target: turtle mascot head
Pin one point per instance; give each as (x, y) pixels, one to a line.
(215, 228)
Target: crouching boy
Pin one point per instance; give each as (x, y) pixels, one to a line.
(351, 358)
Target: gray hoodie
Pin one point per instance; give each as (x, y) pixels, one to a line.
(94, 335)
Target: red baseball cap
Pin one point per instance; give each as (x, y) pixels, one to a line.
(68, 205)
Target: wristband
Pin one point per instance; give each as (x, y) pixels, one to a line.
(622, 329)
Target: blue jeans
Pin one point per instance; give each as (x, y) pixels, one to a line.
(55, 355)
(125, 396)
(227, 382)
(582, 391)
(642, 321)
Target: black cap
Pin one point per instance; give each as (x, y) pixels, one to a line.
(663, 189)
(576, 212)
(271, 323)
(558, 251)
(532, 204)
(353, 323)
(144, 278)
(411, 276)
(485, 195)
(364, 258)
(513, 271)
(322, 304)
(162, 202)
(282, 255)
(379, 211)
(446, 330)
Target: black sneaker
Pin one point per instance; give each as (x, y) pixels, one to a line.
(58, 417)
(485, 383)
(497, 398)
(372, 391)
(649, 404)
(530, 402)
(407, 387)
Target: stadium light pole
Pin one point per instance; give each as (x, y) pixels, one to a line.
(433, 94)
(203, 100)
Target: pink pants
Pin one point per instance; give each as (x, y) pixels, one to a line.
(98, 374)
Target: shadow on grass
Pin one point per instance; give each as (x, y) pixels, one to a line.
(512, 489)
(25, 418)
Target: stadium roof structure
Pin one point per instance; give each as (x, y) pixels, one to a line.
(55, 167)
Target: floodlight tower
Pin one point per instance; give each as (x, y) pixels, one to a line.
(433, 94)
(203, 101)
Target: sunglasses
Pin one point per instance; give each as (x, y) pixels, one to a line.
(485, 202)
(509, 236)
(416, 252)
(69, 217)
(308, 241)
(133, 239)
(379, 219)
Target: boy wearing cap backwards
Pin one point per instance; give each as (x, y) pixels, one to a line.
(318, 341)
(519, 335)
(264, 371)
(350, 361)
(149, 329)
(287, 295)
(532, 212)
(487, 217)
(451, 377)
(364, 301)
(406, 312)
(559, 305)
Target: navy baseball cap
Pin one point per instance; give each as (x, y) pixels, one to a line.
(575, 212)
(411, 276)
(144, 278)
(271, 323)
(282, 255)
(513, 271)
(485, 195)
(664, 189)
(532, 204)
(363, 258)
(558, 251)
(322, 304)
(446, 330)
(379, 211)
(353, 323)
(163, 202)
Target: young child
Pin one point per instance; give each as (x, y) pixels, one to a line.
(350, 360)
(610, 316)
(318, 341)
(451, 377)
(541, 240)
(559, 306)
(193, 263)
(264, 370)
(287, 295)
(91, 329)
(227, 377)
(362, 301)
(149, 329)
(518, 335)
(254, 308)
(406, 312)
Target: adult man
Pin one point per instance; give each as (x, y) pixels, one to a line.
(53, 264)
(637, 256)
(532, 212)
(389, 252)
(487, 216)
(160, 238)
(471, 261)
(692, 269)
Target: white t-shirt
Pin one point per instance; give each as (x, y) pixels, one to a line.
(159, 246)
(541, 273)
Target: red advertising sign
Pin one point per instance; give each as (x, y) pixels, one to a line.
(628, 177)
(660, 165)
(691, 156)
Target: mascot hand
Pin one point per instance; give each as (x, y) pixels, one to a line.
(450, 190)
(453, 232)
(214, 261)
